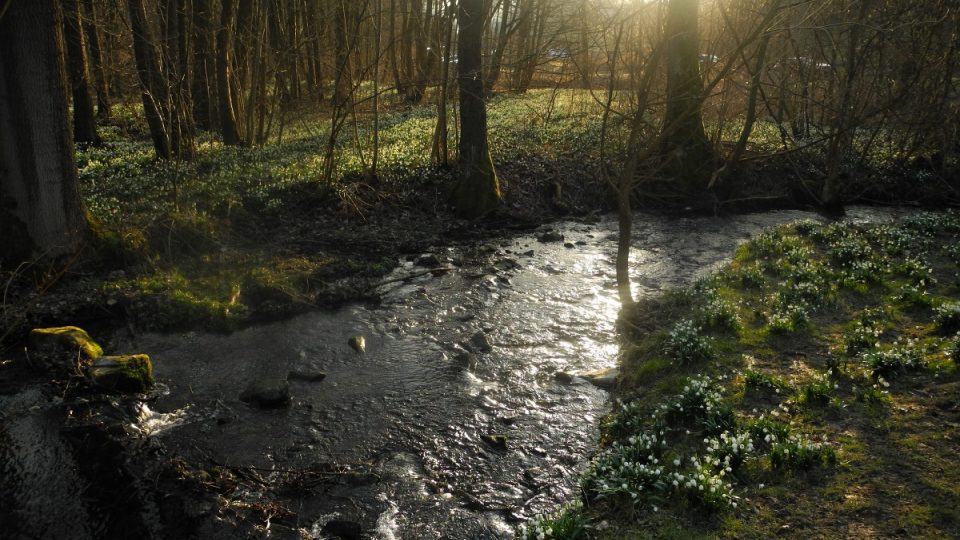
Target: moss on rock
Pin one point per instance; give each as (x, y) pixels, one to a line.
(62, 348)
(131, 373)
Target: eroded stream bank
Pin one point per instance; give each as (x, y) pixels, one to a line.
(397, 442)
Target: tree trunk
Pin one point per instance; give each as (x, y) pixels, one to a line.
(503, 37)
(84, 121)
(203, 74)
(174, 78)
(154, 92)
(478, 190)
(686, 149)
(343, 25)
(92, 29)
(228, 119)
(625, 228)
(440, 152)
(41, 212)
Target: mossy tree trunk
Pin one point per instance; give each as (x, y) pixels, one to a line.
(41, 212)
(478, 190)
(687, 153)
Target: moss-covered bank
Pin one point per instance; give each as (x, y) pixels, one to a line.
(807, 389)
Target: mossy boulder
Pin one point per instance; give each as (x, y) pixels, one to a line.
(62, 349)
(127, 374)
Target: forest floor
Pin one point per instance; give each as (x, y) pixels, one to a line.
(808, 389)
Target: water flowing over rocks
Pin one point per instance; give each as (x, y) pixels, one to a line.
(417, 437)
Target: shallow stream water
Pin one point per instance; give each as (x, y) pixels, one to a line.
(413, 409)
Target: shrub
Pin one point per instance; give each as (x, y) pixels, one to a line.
(760, 380)
(718, 314)
(900, 357)
(862, 337)
(766, 432)
(699, 400)
(798, 453)
(817, 391)
(685, 344)
(566, 523)
(947, 317)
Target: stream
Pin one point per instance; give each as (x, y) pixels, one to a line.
(412, 416)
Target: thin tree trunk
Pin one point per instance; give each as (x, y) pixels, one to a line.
(440, 151)
(84, 121)
(343, 83)
(203, 74)
(153, 91)
(92, 29)
(374, 161)
(507, 26)
(751, 114)
(228, 119)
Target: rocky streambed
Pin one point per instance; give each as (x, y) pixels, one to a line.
(461, 414)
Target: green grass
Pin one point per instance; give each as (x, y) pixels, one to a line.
(845, 425)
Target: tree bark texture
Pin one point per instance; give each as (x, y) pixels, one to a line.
(478, 189)
(40, 207)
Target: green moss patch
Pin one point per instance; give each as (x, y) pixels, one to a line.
(62, 348)
(127, 374)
